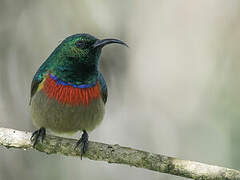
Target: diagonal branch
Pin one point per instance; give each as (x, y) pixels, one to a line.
(11, 138)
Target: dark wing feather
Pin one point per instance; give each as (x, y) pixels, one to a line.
(37, 79)
(34, 87)
(103, 85)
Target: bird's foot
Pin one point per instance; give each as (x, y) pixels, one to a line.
(84, 141)
(40, 133)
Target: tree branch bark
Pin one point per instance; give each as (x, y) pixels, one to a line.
(11, 138)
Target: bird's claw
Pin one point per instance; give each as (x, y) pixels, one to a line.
(40, 133)
(84, 141)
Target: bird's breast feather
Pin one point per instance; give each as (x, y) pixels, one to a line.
(70, 94)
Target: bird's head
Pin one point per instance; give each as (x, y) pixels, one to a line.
(82, 48)
(78, 56)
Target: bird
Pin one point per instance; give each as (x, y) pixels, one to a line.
(68, 91)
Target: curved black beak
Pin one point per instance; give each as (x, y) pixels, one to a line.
(103, 42)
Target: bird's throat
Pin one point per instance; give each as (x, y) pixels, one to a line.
(77, 72)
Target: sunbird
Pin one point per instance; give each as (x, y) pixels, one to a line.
(68, 92)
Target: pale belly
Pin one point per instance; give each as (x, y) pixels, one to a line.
(60, 118)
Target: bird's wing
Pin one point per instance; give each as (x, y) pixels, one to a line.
(37, 79)
(103, 85)
(34, 87)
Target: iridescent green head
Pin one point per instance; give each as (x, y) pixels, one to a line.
(76, 59)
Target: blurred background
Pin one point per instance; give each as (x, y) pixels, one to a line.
(175, 91)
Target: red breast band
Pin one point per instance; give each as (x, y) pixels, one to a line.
(67, 94)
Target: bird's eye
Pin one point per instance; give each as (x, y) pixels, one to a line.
(81, 44)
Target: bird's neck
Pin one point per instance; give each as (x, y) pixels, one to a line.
(77, 74)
